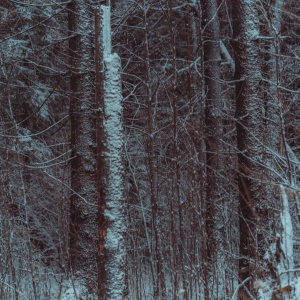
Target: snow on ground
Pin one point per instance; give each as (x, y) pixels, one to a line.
(297, 288)
(70, 291)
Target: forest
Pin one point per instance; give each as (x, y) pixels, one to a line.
(149, 149)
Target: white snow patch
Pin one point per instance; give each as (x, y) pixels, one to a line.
(287, 258)
(297, 288)
(106, 30)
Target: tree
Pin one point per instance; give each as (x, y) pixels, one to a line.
(84, 204)
(205, 164)
(111, 184)
(249, 130)
(214, 131)
(97, 222)
(256, 181)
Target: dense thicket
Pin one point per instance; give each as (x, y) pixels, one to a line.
(208, 179)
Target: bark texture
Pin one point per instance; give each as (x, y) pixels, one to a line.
(111, 184)
(249, 133)
(83, 219)
(115, 205)
(213, 126)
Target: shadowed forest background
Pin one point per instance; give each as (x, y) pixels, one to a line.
(156, 159)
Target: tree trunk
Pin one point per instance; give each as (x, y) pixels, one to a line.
(249, 132)
(83, 219)
(214, 131)
(111, 184)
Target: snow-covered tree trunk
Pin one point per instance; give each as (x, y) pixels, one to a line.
(112, 283)
(83, 219)
(115, 205)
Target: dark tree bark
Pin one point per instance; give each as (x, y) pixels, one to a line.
(83, 220)
(214, 129)
(249, 140)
